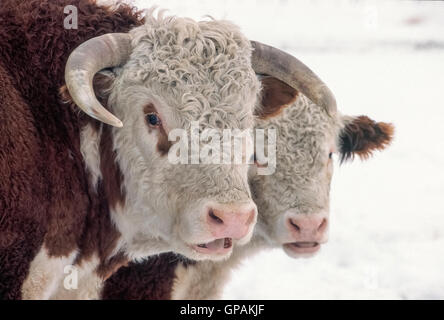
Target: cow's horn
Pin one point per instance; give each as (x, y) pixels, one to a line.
(274, 62)
(85, 61)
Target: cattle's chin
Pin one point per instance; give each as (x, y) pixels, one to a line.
(306, 249)
(214, 249)
(217, 249)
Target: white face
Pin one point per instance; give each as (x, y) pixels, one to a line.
(303, 227)
(294, 202)
(180, 72)
(199, 210)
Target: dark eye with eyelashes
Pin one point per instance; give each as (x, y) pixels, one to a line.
(153, 120)
(330, 155)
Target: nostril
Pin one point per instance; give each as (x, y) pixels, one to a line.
(323, 225)
(294, 225)
(215, 218)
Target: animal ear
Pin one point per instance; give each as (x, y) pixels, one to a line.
(276, 95)
(102, 84)
(362, 135)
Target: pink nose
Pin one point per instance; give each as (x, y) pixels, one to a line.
(307, 228)
(231, 222)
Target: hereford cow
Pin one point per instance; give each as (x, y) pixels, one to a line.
(95, 189)
(293, 203)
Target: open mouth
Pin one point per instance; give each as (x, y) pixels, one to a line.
(303, 247)
(218, 246)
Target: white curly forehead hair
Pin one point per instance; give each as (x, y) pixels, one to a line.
(200, 69)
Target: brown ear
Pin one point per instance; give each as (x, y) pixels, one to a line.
(276, 95)
(362, 135)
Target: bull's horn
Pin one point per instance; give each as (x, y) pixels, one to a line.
(274, 62)
(85, 61)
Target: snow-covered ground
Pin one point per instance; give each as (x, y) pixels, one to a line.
(384, 59)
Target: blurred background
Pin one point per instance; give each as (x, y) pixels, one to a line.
(384, 59)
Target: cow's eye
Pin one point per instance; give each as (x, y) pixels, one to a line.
(153, 119)
(330, 155)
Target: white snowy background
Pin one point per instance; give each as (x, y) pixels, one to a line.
(384, 59)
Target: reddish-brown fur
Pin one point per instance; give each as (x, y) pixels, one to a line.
(362, 136)
(150, 280)
(45, 196)
(163, 144)
(275, 97)
(101, 236)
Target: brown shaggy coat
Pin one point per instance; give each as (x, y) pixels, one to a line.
(44, 191)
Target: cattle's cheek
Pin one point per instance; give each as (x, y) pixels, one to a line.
(328, 180)
(329, 170)
(330, 165)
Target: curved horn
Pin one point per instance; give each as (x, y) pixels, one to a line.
(274, 62)
(85, 61)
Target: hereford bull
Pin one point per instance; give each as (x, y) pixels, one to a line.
(77, 191)
(293, 203)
